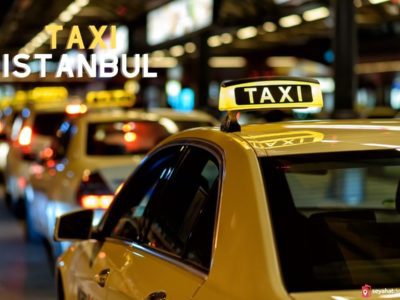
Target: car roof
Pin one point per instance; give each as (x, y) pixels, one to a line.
(308, 137)
(183, 115)
(151, 115)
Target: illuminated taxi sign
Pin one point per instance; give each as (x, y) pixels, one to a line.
(5, 102)
(48, 94)
(270, 93)
(21, 96)
(111, 98)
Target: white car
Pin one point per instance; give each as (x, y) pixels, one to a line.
(32, 130)
(90, 159)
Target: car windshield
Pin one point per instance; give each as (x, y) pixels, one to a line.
(124, 137)
(336, 219)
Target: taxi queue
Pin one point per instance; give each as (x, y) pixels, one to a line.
(65, 153)
(287, 210)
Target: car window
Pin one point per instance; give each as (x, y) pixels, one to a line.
(47, 123)
(124, 137)
(181, 221)
(340, 211)
(64, 134)
(125, 219)
(175, 212)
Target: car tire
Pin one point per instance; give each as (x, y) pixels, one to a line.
(31, 235)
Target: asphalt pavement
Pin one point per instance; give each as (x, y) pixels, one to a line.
(25, 271)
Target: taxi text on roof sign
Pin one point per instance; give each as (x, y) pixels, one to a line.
(268, 93)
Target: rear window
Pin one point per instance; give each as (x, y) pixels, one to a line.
(336, 219)
(123, 138)
(48, 123)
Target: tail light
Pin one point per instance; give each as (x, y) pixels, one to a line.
(93, 192)
(25, 136)
(96, 201)
(2, 127)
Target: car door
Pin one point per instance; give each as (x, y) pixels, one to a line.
(160, 245)
(95, 261)
(45, 179)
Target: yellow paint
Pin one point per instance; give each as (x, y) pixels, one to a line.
(75, 38)
(113, 36)
(97, 37)
(52, 29)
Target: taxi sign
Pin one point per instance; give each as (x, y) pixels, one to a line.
(270, 93)
(109, 98)
(48, 94)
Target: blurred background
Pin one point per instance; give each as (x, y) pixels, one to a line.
(351, 47)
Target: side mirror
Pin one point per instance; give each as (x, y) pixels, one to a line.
(74, 226)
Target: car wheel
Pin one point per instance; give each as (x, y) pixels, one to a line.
(31, 235)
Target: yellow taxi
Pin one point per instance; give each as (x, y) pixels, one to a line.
(290, 210)
(37, 115)
(96, 147)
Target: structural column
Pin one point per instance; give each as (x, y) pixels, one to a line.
(204, 71)
(345, 49)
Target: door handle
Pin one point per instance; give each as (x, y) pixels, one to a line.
(160, 295)
(101, 278)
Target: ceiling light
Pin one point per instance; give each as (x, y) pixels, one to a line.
(269, 27)
(42, 36)
(163, 62)
(316, 14)
(158, 53)
(29, 48)
(378, 67)
(36, 42)
(74, 8)
(177, 50)
(290, 21)
(227, 62)
(226, 38)
(378, 1)
(247, 32)
(65, 16)
(190, 47)
(214, 41)
(280, 2)
(281, 61)
(82, 3)
(357, 3)
(23, 51)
